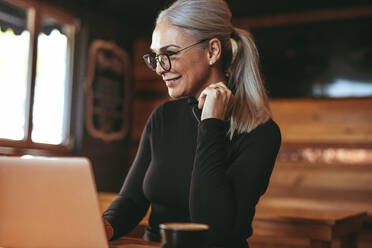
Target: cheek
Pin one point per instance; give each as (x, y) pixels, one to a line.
(199, 72)
(193, 68)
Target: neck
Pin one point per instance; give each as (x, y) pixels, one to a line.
(215, 76)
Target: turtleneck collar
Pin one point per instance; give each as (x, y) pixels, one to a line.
(197, 112)
(192, 101)
(194, 108)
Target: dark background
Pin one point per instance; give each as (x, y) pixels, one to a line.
(303, 60)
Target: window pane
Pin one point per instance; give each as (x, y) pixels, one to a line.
(51, 90)
(13, 71)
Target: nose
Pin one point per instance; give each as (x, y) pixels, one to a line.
(159, 69)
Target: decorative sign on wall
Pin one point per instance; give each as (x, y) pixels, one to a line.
(108, 96)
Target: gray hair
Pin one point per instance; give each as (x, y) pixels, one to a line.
(204, 19)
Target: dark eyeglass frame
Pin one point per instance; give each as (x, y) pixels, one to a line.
(147, 57)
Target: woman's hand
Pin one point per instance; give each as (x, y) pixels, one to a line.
(216, 101)
(108, 228)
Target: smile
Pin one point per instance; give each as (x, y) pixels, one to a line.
(172, 82)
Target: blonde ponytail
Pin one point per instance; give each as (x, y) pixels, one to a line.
(251, 107)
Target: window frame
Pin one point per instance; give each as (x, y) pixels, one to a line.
(35, 12)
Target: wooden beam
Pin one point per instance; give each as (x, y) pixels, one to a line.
(34, 26)
(58, 13)
(303, 17)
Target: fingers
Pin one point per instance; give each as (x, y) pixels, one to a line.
(222, 91)
(215, 90)
(219, 94)
(202, 97)
(211, 90)
(220, 84)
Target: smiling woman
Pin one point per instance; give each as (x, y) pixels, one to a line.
(207, 155)
(179, 78)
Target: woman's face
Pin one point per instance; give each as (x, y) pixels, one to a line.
(190, 68)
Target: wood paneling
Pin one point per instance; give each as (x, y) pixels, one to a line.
(320, 187)
(303, 17)
(328, 182)
(342, 121)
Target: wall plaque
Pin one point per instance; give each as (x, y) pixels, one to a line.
(108, 92)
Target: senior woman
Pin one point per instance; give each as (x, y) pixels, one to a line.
(207, 155)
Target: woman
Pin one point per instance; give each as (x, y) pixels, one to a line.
(207, 155)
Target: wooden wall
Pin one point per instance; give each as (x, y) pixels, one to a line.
(338, 121)
(110, 160)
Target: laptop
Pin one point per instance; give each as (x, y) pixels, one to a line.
(49, 202)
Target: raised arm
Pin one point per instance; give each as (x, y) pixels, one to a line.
(227, 183)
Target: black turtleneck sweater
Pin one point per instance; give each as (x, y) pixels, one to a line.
(190, 171)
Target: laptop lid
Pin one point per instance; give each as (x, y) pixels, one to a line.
(49, 202)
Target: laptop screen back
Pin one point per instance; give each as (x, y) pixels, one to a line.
(49, 202)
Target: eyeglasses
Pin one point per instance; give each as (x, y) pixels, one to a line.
(163, 59)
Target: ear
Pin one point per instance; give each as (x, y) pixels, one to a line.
(214, 50)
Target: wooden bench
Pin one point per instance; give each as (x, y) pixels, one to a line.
(312, 197)
(319, 228)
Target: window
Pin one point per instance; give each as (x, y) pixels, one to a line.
(36, 43)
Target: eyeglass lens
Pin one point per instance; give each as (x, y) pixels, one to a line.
(164, 62)
(151, 61)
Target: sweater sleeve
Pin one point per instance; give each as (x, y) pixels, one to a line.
(225, 188)
(131, 205)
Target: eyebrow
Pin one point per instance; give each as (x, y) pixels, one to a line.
(165, 47)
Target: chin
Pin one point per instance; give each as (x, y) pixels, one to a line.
(173, 93)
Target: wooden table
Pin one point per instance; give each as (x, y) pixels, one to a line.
(316, 223)
(320, 227)
(127, 242)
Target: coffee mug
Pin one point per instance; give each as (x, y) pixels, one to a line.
(184, 235)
